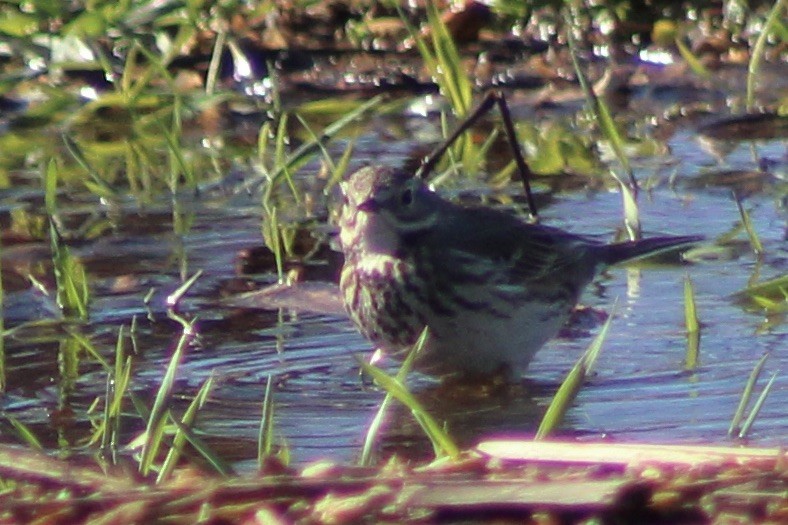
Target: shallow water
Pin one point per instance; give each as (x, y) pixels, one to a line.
(640, 391)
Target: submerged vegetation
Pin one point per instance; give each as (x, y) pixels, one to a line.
(150, 147)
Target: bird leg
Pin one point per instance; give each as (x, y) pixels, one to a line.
(492, 98)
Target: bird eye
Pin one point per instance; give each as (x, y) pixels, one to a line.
(407, 197)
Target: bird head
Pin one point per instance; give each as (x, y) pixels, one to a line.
(382, 206)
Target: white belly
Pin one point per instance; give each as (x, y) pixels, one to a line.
(464, 343)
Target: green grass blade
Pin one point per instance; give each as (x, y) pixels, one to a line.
(180, 438)
(156, 65)
(119, 353)
(205, 451)
(265, 437)
(772, 21)
(692, 61)
(755, 241)
(600, 110)
(771, 295)
(25, 433)
(88, 347)
(178, 163)
(340, 169)
(690, 308)
(154, 430)
(434, 431)
(692, 355)
(571, 385)
(280, 140)
(276, 87)
(320, 145)
(631, 209)
(442, 59)
(143, 411)
(98, 187)
(122, 380)
(746, 395)
(392, 385)
(104, 429)
(451, 74)
(367, 450)
(302, 153)
(121, 389)
(307, 149)
(130, 70)
(272, 236)
(216, 59)
(133, 331)
(68, 358)
(692, 325)
(71, 281)
(50, 188)
(263, 138)
(377, 421)
(745, 428)
(117, 389)
(174, 298)
(610, 131)
(429, 58)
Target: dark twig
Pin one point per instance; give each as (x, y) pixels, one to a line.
(490, 99)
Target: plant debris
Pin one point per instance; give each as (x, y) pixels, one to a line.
(545, 481)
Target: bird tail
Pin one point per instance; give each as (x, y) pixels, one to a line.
(634, 250)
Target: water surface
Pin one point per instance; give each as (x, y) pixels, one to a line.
(640, 391)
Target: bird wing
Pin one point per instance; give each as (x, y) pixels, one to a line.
(530, 252)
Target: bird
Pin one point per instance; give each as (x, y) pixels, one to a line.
(492, 287)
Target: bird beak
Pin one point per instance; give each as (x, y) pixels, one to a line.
(369, 206)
